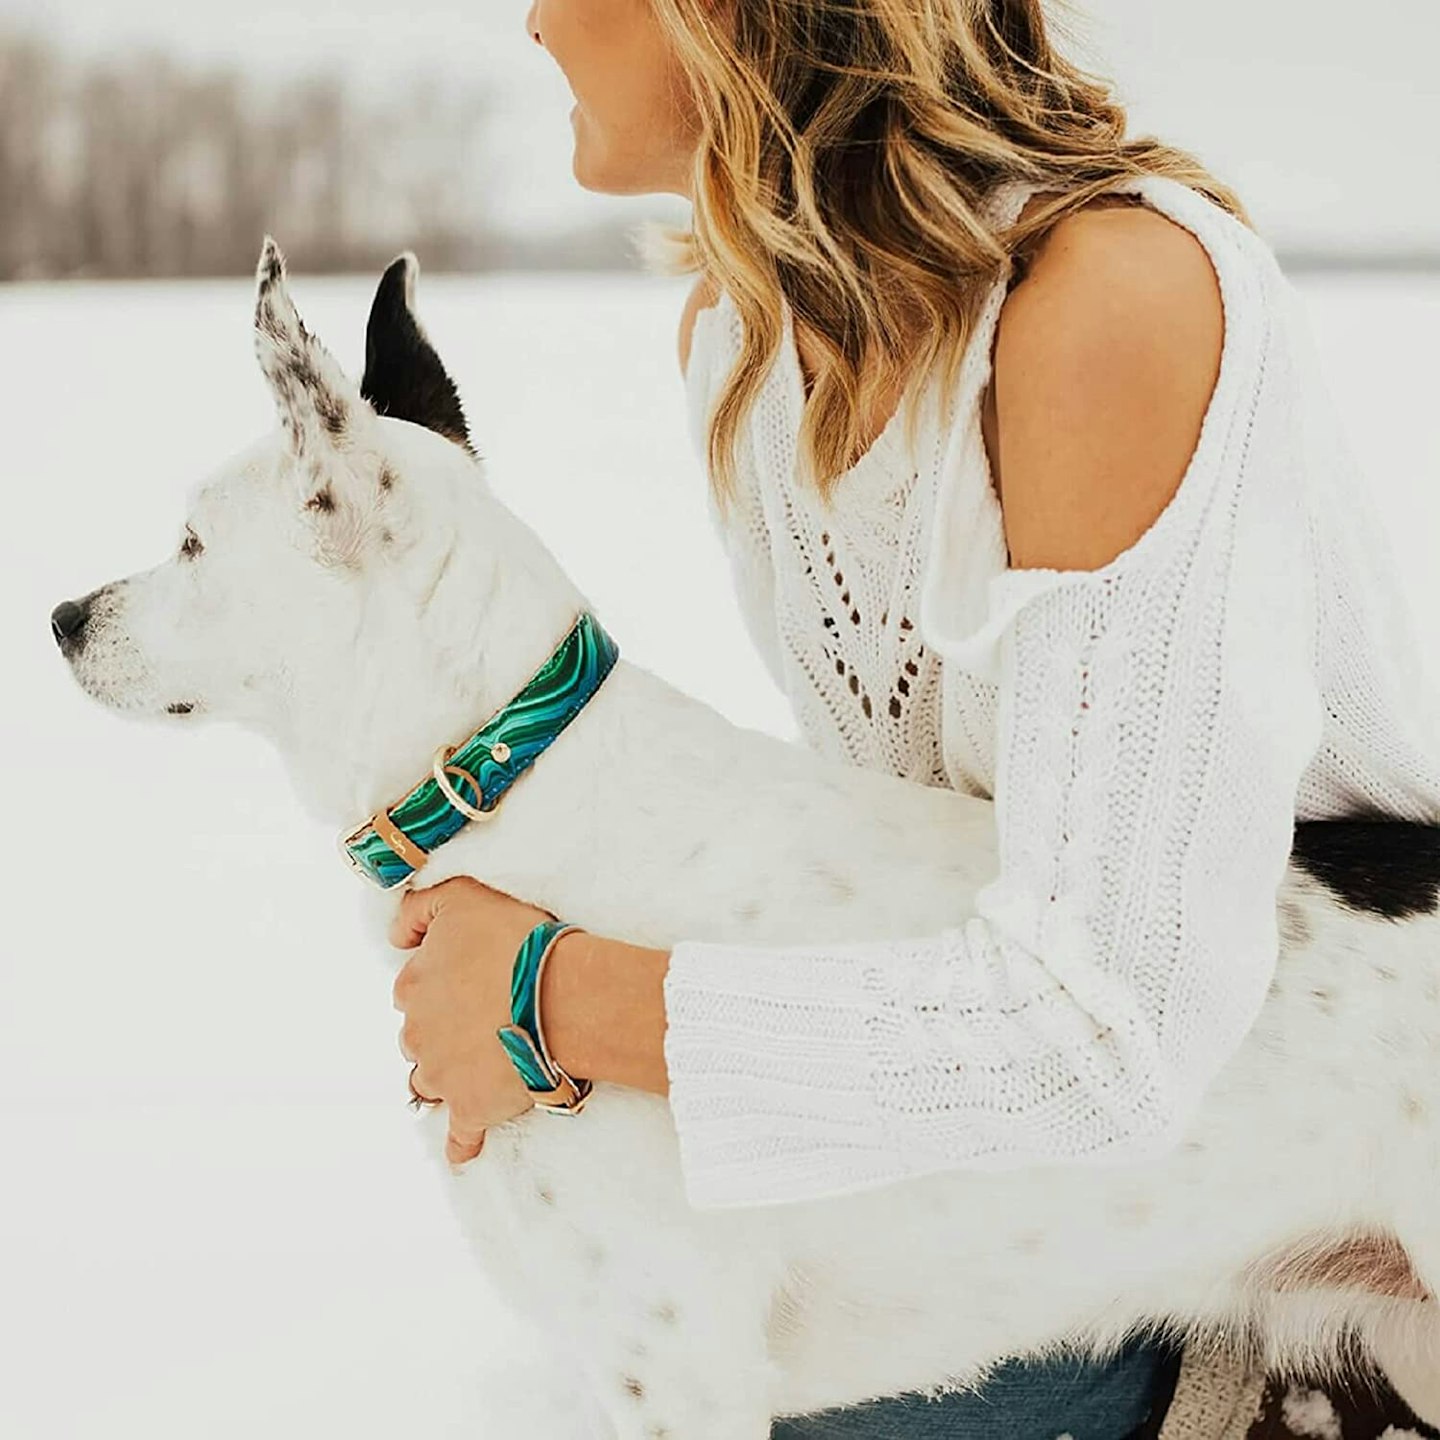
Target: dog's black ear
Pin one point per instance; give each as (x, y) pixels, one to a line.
(403, 374)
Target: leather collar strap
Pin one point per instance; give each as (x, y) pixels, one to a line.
(395, 842)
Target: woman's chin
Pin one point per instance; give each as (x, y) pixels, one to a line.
(591, 174)
(582, 162)
(594, 167)
(585, 176)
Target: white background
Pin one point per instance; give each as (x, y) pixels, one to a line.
(1323, 114)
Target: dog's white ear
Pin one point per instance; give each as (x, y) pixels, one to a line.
(319, 405)
(404, 377)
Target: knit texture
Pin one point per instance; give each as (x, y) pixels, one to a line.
(1216, 1398)
(1149, 732)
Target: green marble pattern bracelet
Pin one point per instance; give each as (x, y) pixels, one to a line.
(524, 1038)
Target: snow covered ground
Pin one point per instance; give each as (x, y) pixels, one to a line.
(215, 1222)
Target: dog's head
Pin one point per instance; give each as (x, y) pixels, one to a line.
(330, 574)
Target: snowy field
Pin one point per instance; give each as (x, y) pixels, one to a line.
(215, 1221)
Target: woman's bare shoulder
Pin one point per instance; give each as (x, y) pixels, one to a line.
(1106, 360)
(704, 294)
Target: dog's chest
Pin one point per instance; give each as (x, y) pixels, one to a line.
(581, 1215)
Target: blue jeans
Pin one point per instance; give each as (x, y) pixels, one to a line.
(1023, 1400)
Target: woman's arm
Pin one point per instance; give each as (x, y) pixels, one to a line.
(604, 1000)
(603, 1007)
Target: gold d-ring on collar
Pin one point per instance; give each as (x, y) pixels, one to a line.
(442, 771)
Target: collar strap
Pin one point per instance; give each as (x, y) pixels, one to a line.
(468, 780)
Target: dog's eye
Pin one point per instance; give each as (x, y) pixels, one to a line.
(190, 546)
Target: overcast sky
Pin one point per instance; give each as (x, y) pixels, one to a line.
(1323, 115)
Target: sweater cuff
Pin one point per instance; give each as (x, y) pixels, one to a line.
(769, 1057)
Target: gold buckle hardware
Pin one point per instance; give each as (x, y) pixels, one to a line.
(574, 1106)
(442, 770)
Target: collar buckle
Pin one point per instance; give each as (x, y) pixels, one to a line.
(344, 843)
(442, 770)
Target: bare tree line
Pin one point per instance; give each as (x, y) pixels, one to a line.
(141, 166)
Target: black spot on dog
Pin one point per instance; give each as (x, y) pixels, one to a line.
(272, 265)
(633, 1387)
(300, 369)
(404, 377)
(179, 707)
(1375, 864)
(387, 479)
(322, 501)
(331, 410)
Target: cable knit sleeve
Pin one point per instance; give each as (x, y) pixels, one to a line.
(1155, 718)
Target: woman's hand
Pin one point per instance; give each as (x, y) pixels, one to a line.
(454, 992)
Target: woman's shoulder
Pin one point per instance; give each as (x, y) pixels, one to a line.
(1151, 226)
(1106, 358)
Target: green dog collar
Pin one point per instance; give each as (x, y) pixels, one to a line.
(468, 780)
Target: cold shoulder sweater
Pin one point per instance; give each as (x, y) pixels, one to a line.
(1149, 733)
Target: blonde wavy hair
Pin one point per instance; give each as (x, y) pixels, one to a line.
(845, 149)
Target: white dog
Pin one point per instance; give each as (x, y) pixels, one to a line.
(350, 586)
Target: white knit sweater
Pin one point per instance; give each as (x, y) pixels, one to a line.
(1149, 732)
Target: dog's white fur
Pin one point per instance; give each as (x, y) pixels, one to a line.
(401, 608)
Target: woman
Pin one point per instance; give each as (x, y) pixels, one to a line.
(909, 217)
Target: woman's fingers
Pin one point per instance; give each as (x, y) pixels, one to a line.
(464, 1142)
(403, 986)
(412, 918)
(423, 1085)
(418, 908)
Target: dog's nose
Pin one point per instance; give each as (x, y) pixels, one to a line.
(67, 620)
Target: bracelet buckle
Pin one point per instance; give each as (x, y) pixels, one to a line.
(572, 1102)
(552, 1090)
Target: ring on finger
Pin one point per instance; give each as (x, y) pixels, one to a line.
(416, 1098)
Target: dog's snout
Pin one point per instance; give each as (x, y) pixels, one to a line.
(67, 620)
